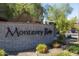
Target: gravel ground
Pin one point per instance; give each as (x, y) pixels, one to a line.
(33, 53)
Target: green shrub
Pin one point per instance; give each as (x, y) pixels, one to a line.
(41, 48)
(73, 48)
(2, 52)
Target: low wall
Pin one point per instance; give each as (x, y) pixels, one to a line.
(22, 36)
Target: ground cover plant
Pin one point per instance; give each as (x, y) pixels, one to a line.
(73, 48)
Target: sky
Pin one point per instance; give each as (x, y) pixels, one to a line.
(75, 11)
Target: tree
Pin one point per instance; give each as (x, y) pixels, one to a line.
(3, 10)
(55, 11)
(73, 22)
(15, 9)
(59, 14)
(66, 8)
(62, 24)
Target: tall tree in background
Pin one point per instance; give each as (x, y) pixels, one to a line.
(58, 14)
(55, 11)
(3, 11)
(15, 9)
(62, 24)
(73, 22)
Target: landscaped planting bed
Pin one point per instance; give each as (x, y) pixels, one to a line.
(73, 48)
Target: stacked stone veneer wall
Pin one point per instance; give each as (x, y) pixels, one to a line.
(23, 41)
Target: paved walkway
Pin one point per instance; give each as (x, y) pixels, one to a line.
(27, 54)
(55, 50)
(33, 53)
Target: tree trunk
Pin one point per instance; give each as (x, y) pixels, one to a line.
(61, 38)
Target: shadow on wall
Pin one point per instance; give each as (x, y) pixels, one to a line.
(3, 19)
(15, 53)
